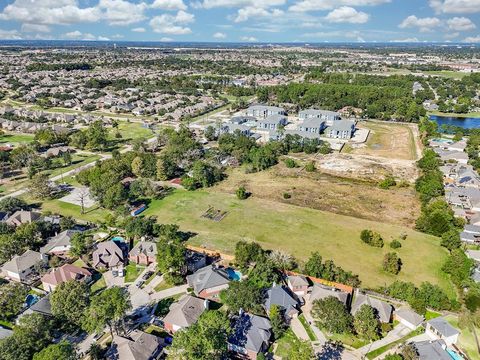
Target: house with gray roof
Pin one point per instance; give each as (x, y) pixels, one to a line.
(137, 345)
(23, 268)
(408, 317)
(440, 329)
(23, 217)
(469, 237)
(242, 119)
(272, 122)
(42, 307)
(432, 350)
(5, 333)
(184, 313)
(383, 309)
(341, 129)
(328, 116)
(320, 292)
(281, 296)
(209, 281)
(250, 335)
(263, 111)
(312, 126)
(474, 255)
(59, 244)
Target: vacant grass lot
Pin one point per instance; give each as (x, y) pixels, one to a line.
(389, 140)
(132, 130)
(300, 231)
(15, 139)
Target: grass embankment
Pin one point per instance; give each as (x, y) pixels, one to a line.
(15, 139)
(300, 231)
(454, 115)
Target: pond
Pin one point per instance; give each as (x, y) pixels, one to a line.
(463, 122)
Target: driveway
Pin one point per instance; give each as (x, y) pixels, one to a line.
(111, 280)
(397, 333)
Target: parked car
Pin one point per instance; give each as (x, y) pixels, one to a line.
(147, 275)
(140, 283)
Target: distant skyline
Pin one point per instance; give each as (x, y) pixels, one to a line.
(252, 21)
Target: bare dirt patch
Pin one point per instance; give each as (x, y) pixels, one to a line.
(322, 191)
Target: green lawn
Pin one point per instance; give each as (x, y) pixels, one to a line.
(132, 271)
(308, 329)
(98, 285)
(284, 344)
(15, 139)
(132, 130)
(299, 231)
(466, 340)
(77, 161)
(66, 209)
(448, 74)
(429, 315)
(348, 339)
(471, 114)
(162, 286)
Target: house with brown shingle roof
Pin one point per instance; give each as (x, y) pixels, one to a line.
(108, 255)
(63, 274)
(184, 313)
(23, 217)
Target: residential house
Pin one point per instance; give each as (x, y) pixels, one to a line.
(67, 272)
(23, 268)
(298, 284)
(408, 317)
(144, 253)
(109, 255)
(341, 129)
(138, 345)
(238, 120)
(250, 336)
(184, 313)
(439, 329)
(209, 281)
(384, 310)
(432, 350)
(329, 117)
(263, 111)
(320, 292)
(23, 217)
(42, 307)
(272, 122)
(457, 146)
(312, 126)
(59, 245)
(281, 296)
(58, 151)
(447, 155)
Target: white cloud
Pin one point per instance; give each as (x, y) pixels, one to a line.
(166, 39)
(103, 38)
(172, 24)
(122, 12)
(169, 5)
(423, 24)
(256, 12)
(248, 39)
(9, 35)
(460, 24)
(450, 36)
(346, 14)
(319, 5)
(407, 40)
(455, 6)
(35, 28)
(77, 35)
(472, 39)
(219, 35)
(210, 4)
(49, 12)
(139, 30)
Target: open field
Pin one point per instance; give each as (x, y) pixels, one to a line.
(388, 140)
(322, 191)
(15, 139)
(466, 115)
(132, 130)
(447, 74)
(299, 231)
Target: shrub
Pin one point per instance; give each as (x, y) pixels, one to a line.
(242, 193)
(371, 238)
(392, 263)
(395, 244)
(310, 167)
(290, 163)
(286, 196)
(387, 183)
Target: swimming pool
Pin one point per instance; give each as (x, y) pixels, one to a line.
(234, 274)
(31, 299)
(118, 239)
(440, 140)
(454, 355)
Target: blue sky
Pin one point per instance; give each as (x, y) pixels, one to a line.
(242, 20)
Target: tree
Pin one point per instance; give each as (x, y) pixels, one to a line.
(241, 193)
(80, 244)
(409, 352)
(371, 238)
(395, 244)
(277, 320)
(137, 165)
(204, 340)
(97, 136)
(392, 263)
(458, 266)
(40, 188)
(210, 133)
(366, 323)
(243, 295)
(332, 315)
(264, 274)
(246, 253)
(300, 350)
(106, 309)
(310, 166)
(171, 260)
(11, 204)
(63, 350)
(451, 239)
(69, 299)
(67, 223)
(12, 297)
(67, 158)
